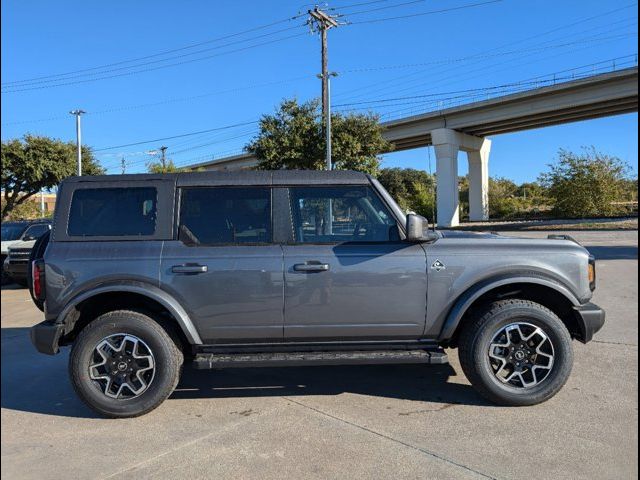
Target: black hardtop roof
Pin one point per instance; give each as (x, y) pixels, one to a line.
(240, 177)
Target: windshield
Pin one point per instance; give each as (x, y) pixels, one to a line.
(12, 231)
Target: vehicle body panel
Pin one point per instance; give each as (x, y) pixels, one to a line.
(369, 291)
(73, 268)
(238, 297)
(497, 260)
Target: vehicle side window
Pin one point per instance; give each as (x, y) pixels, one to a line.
(225, 215)
(113, 212)
(36, 231)
(341, 214)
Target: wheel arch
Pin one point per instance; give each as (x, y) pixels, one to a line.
(547, 292)
(92, 303)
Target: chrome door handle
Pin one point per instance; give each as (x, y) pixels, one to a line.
(189, 268)
(311, 267)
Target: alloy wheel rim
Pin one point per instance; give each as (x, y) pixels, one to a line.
(122, 366)
(521, 355)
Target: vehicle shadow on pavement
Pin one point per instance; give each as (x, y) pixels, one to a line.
(428, 383)
(32, 382)
(36, 383)
(618, 252)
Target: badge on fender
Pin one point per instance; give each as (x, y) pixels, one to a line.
(438, 265)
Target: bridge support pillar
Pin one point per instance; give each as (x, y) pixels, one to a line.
(479, 182)
(447, 143)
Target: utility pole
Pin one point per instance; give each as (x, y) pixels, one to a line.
(321, 21)
(77, 112)
(162, 158)
(123, 164)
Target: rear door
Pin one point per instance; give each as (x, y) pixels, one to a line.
(224, 267)
(348, 274)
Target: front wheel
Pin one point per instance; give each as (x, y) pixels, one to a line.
(124, 364)
(516, 352)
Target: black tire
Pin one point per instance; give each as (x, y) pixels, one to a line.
(478, 334)
(168, 361)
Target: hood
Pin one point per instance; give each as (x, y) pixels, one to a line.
(471, 235)
(20, 244)
(7, 243)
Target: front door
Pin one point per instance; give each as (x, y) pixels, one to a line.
(224, 268)
(348, 275)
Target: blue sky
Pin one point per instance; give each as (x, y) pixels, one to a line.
(230, 82)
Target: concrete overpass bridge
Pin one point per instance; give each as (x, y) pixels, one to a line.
(465, 128)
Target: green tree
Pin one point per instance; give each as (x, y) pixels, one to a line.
(532, 190)
(630, 188)
(292, 138)
(168, 167)
(414, 190)
(502, 198)
(586, 184)
(34, 163)
(25, 210)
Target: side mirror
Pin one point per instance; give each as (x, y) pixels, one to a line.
(28, 238)
(416, 226)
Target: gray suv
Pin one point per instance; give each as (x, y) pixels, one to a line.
(142, 273)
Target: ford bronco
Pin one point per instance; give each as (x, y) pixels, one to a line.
(142, 273)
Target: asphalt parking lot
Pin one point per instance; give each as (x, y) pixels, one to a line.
(336, 422)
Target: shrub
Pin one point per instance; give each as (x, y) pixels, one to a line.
(586, 185)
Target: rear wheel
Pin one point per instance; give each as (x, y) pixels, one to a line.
(516, 352)
(124, 364)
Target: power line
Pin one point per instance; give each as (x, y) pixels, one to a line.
(430, 95)
(376, 86)
(169, 100)
(342, 7)
(444, 61)
(155, 68)
(139, 65)
(58, 80)
(474, 57)
(369, 10)
(431, 12)
(186, 47)
(454, 78)
(173, 153)
(227, 127)
(547, 32)
(241, 135)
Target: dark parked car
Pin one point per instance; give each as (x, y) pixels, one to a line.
(18, 238)
(143, 272)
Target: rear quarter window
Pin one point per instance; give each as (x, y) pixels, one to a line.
(113, 212)
(226, 215)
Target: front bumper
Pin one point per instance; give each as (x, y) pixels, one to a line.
(45, 337)
(590, 319)
(16, 270)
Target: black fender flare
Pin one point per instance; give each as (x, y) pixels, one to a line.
(141, 288)
(467, 299)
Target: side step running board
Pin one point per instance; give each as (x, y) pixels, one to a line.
(296, 359)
